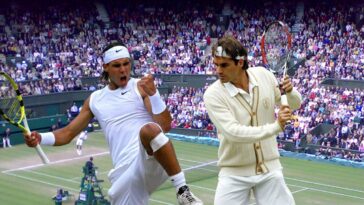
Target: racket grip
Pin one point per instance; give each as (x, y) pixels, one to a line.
(284, 100)
(42, 154)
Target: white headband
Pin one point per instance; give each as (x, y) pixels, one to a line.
(222, 53)
(116, 53)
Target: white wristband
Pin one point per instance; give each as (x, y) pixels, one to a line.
(158, 106)
(48, 138)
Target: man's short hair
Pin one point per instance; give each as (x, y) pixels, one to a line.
(233, 48)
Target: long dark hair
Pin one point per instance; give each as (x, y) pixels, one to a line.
(105, 75)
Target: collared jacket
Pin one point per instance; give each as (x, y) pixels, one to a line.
(247, 131)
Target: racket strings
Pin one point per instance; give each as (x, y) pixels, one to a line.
(14, 111)
(276, 46)
(10, 105)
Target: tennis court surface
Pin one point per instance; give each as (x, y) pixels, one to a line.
(24, 180)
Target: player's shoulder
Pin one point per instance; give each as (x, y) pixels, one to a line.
(98, 92)
(97, 95)
(260, 71)
(214, 89)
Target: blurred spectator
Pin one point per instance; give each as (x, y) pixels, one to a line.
(59, 123)
(80, 139)
(6, 138)
(74, 110)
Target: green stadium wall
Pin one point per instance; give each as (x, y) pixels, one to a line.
(39, 124)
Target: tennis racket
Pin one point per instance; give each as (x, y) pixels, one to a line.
(276, 46)
(12, 108)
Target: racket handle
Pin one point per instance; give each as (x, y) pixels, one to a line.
(39, 149)
(284, 100)
(42, 154)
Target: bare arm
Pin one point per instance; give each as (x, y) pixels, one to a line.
(164, 119)
(65, 135)
(147, 88)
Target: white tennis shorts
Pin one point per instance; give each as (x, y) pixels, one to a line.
(133, 183)
(268, 189)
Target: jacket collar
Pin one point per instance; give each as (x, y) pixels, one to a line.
(233, 91)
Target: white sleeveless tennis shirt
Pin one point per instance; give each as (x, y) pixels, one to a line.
(121, 113)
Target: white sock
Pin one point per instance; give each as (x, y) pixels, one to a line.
(178, 180)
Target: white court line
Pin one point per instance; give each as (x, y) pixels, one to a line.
(68, 188)
(52, 176)
(77, 182)
(185, 169)
(201, 187)
(304, 189)
(86, 156)
(202, 164)
(42, 182)
(204, 188)
(327, 185)
(75, 190)
(193, 167)
(54, 162)
(329, 192)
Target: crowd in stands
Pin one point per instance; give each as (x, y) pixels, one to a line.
(188, 109)
(59, 46)
(166, 40)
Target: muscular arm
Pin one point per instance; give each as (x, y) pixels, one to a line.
(164, 119)
(147, 88)
(65, 135)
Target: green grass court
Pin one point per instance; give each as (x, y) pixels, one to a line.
(24, 181)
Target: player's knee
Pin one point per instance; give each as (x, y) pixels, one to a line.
(159, 141)
(149, 131)
(154, 136)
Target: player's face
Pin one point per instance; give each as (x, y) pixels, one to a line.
(226, 69)
(119, 72)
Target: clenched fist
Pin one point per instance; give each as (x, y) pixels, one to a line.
(147, 84)
(286, 84)
(284, 115)
(33, 139)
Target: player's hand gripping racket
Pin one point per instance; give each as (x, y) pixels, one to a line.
(12, 108)
(275, 46)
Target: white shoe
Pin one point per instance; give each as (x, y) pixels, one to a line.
(79, 152)
(185, 197)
